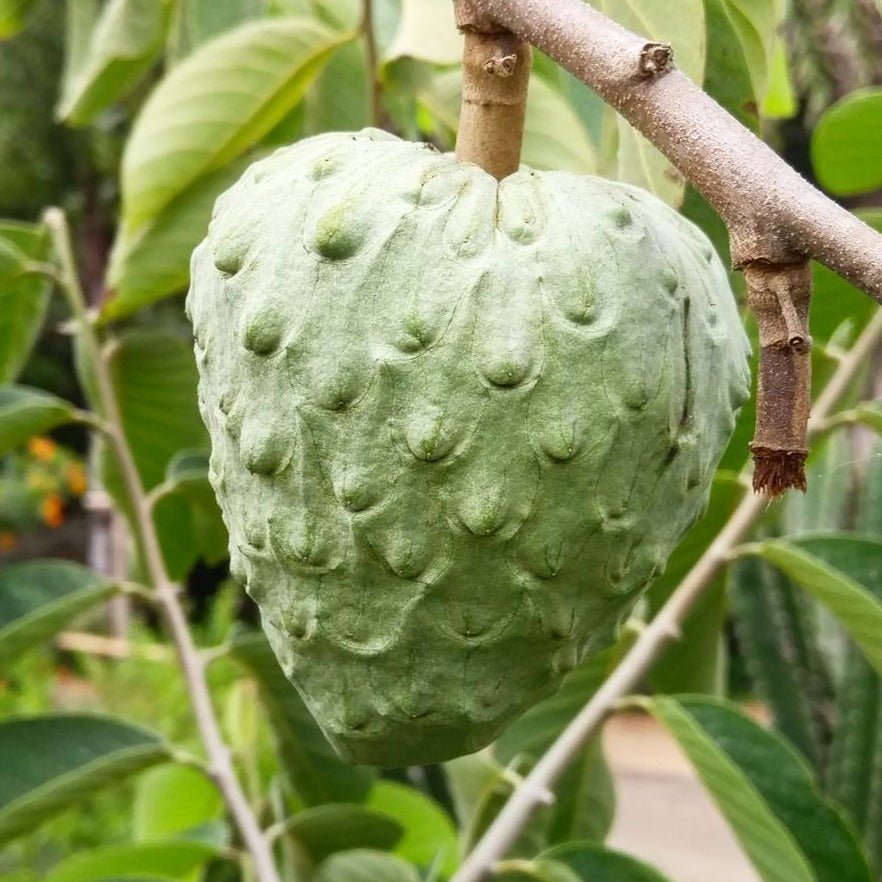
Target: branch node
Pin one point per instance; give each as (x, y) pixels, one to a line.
(655, 59)
(501, 65)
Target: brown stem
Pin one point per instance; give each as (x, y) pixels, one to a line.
(779, 297)
(773, 214)
(496, 72)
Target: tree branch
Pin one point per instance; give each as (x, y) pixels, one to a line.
(773, 214)
(165, 592)
(666, 626)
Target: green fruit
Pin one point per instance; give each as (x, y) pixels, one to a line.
(458, 425)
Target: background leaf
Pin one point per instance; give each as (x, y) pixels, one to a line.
(23, 298)
(173, 859)
(324, 830)
(847, 144)
(593, 863)
(788, 829)
(429, 836)
(38, 598)
(13, 16)
(175, 801)
(25, 412)
(365, 866)
(154, 262)
(49, 761)
(215, 105)
(124, 42)
(845, 592)
(427, 32)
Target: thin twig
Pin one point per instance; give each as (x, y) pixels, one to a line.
(372, 63)
(165, 591)
(772, 213)
(527, 798)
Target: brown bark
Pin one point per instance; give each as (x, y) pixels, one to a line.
(496, 71)
(779, 297)
(773, 214)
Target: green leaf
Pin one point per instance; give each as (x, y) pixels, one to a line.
(480, 787)
(693, 663)
(427, 31)
(554, 137)
(23, 298)
(339, 100)
(789, 830)
(312, 766)
(13, 16)
(173, 859)
(123, 45)
(175, 801)
(843, 579)
(593, 863)
(362, 865)
(154, 262)
(680, 23)
(327, 829)
(50, 761)
(215, 105)
(533, 871)
(198, 21)
(585, 802)
(847, 144)
(38, 598)
(25, 412)
(154, 377)
(429, 838)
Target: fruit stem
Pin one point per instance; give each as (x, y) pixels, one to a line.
(779, 295)
(496, 72)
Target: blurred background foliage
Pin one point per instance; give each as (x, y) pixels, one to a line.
(133, 115)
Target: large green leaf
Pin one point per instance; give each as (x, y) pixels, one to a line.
(124, 43)
(554, 137)
(788, 829)
(25, 412)
(38, 598)
(324, 830)
(175, 801)
(427, 32)
(173, 859)
(429, 838)
(215, 105)
(154, 262)
(847, 144)
(198, 21)
(13, 15)
(680, 23)
(312, 766)
(842, 572)
(362, 865)
(154, 377)
(50, 761)
(23, 297)
(594, 863)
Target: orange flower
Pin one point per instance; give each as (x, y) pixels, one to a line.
(42, 448)
(76, 478)
(52, 510)
(7, 540)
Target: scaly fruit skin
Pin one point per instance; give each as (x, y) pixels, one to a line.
(457, 426)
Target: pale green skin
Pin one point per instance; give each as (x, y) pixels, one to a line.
(457, 426)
